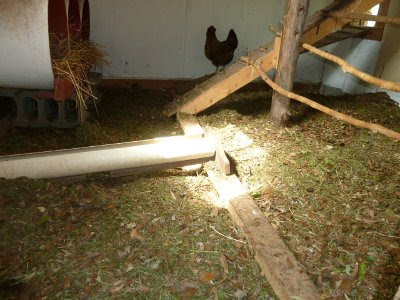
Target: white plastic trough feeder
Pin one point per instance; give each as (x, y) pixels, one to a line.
(25, 26)
(139, 156)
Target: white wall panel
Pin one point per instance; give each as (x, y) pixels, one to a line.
(333, 75)
(309, 68)
(363, 54)
(165, 39)
(142, 38)
(202, 14)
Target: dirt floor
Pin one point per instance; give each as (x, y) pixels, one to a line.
(331, 190)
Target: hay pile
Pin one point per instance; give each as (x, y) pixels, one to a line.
(72, 58)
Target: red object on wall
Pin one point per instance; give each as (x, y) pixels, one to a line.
(74, 21)
(63, 90)
(86, 20)
(74, 18)
(57, 18)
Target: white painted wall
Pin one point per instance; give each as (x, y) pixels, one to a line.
(381, 59)
(142, 38)
(363, 54)
(165, 39)
(389, 57)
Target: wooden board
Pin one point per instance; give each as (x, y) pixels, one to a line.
(397, 296)
(221, 159)
(218, 87)
(331, 25)
(276, 51)
(284, 273)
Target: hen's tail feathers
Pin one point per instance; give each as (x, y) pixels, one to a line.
(232, 39)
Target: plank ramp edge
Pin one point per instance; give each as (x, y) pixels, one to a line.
(214, 82)
(284, 273)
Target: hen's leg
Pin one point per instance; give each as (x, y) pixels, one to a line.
(216, 70)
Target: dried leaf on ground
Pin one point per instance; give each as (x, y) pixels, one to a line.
(136, 235)
(189, 290)
(67, 282)
(346, 285)
(224, 263)
(117, 287)
(207, 277)
(143, 288)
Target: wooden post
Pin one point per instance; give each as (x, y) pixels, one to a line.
(288, 56)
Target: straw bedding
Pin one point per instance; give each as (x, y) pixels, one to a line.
(72, 58)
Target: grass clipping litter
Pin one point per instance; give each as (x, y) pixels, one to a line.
(72, 58)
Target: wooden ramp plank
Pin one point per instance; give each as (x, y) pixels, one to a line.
(219, 86)
(284, 273)
(332, 25)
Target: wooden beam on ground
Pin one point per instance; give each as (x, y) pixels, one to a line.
(348, 68)
(365, 17)
(284, 273)
(340, 116)
(222, 160)
(397, 296)
(289, 53)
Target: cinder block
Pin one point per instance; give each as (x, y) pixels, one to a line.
(6, 92)
(8, 108)
(69, 116)
(26, 108)
(32, 111)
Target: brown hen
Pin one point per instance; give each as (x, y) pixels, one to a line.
(220, 53)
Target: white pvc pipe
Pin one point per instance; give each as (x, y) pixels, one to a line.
(79, 161)
(24, 45)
